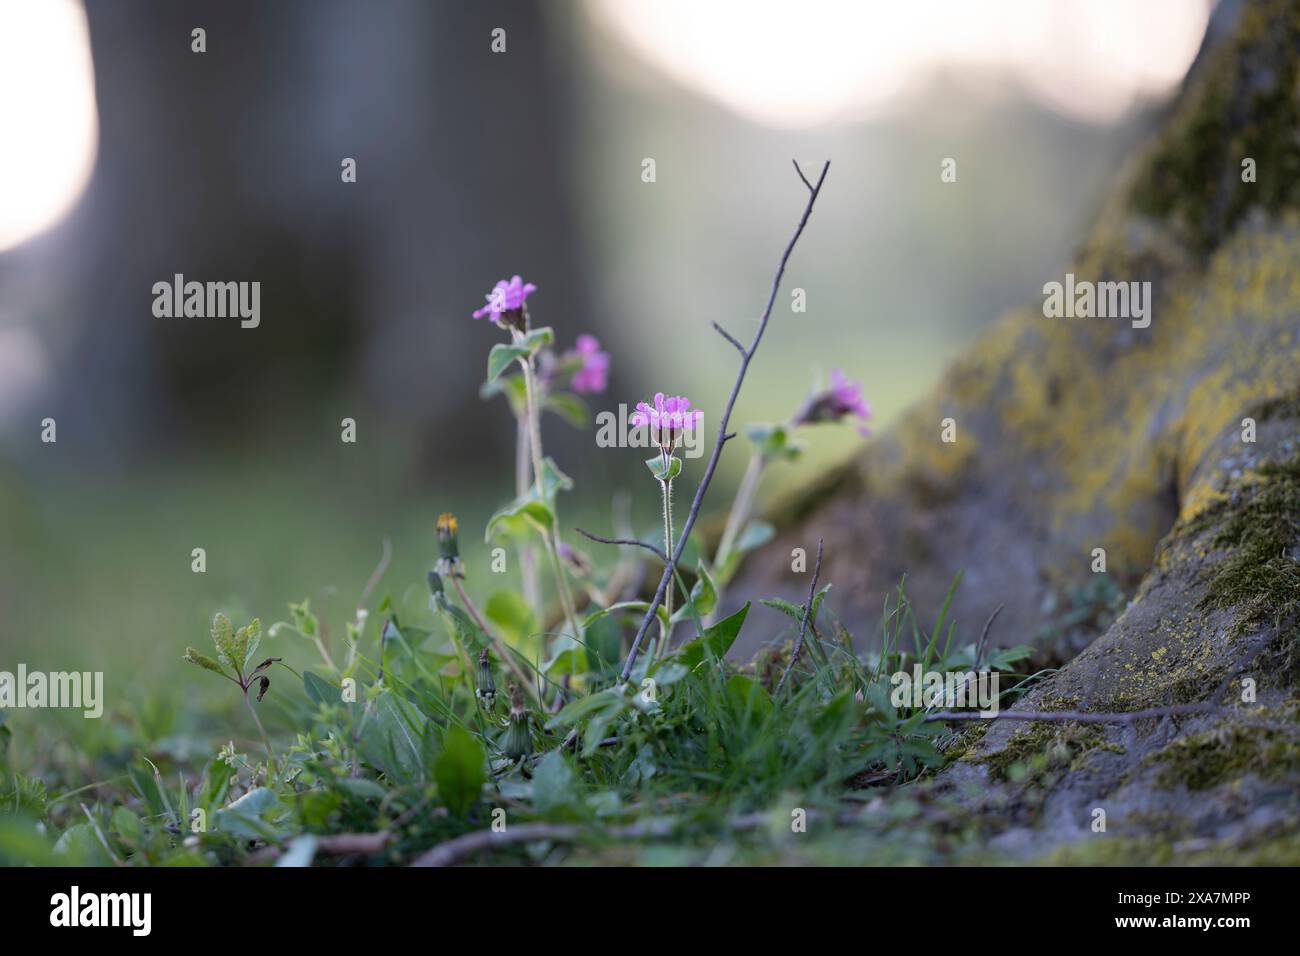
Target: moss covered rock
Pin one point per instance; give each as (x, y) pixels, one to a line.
(1076, 434)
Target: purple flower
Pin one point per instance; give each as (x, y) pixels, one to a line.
(506, 297)
(592, 375)
(667, 416)
(843, 398)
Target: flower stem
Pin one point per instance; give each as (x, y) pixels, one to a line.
(666, 630)
(548, 534)
(266, 741)
(523, 478)
(499, 645)
(740, 508)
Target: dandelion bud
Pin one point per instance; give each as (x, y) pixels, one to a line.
(263, 686)
(486, 688)
(448, 545)
(519, 739)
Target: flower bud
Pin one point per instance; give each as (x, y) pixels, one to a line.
(486, 688)
(449, 562)
(519, 739)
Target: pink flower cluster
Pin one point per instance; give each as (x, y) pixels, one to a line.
(593, 375)
(506, 297)
(668, 415)
(842, 399)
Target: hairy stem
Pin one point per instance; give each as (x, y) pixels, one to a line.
(666, 630)
(548, 534)
(524, 478)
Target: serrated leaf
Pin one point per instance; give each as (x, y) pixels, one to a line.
(207, 663)
(788, 608)
(460, 770)
(223, 638)
(252, 638)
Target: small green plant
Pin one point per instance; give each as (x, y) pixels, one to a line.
(235, 653)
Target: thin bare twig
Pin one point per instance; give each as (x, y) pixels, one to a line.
(628, 541)
(803, 623)
(729, 337)
(984, 636)
(803, 177)
(685, 533)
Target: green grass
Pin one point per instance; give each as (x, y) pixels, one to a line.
(706, 762)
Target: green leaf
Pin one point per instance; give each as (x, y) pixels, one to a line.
(553, 480)
(319, 690)
(607, 701)
(538, 338)
(207, 663)
(715, 641)
(500, 358)
(748, 699)
(520, 517)
(553, 783)
(460, 771)
(224, 639)
(569, 407)
(664, 471)
(524, 513)
(774, 442)
(512, 387)
(514, 619)
(251, 638)
(704, 594)
(390, 740)
(756, 534)
(127, 825)
(243, 817)
(641, 606)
